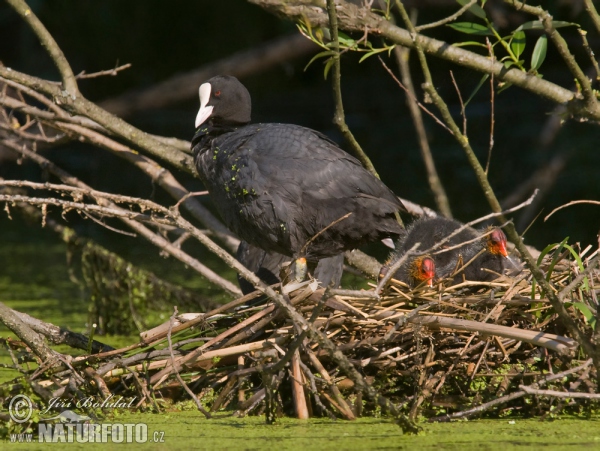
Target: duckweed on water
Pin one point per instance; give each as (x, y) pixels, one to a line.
(189, 430)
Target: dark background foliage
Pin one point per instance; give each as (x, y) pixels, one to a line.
(161, 39)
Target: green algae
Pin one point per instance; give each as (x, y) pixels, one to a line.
(190, 430)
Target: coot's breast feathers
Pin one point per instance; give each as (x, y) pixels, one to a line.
(277, 185)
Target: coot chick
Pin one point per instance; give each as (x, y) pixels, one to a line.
(416, 270)
(279, 185)
(489, 252)
(491, 257)
(267, 266)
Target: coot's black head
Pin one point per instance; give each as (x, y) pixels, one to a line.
(223, 101)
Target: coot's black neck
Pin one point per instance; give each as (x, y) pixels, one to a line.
(210, 130)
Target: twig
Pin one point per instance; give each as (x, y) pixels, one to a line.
(562, 47)
(568, 204)
(448, 19)
(435, 184)
(183, 384)
(593, 13)
(558, 394)
(504, 399)
(395, 266)
(412, 95)
(112, 72)
(339, 117)
(48, 42)
(590, 52)
(314, 391)
(492, 108)
(462, 104)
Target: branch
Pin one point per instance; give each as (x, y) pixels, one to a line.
(11, 319)
(58, 335)
(591, 10)
(448, 19)
(163, 178)
(83, 107)
(558, 394)
(339, 117)
(48, 42)
(355, 18)
(439, 194)
(127, 217)
(568, 204)
(562, 47)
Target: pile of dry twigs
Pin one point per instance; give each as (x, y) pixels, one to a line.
(442, 353)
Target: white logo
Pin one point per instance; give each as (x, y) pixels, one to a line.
(20, 408)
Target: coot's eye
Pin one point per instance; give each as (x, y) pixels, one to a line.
(217, 93)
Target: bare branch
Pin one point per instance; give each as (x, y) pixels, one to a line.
(339, 117)
(102, 73)
(402, 57)
(568, 204)
(448, 19)
(591, 10)
(48, 42)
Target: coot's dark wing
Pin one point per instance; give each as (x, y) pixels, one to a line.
(277, 185)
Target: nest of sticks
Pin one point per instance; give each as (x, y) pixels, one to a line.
(440, 353)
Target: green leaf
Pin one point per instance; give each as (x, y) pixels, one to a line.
(319, 55)
(586, 312)
(539, 52)
(475, 9)
(580, 265)
(545, 252)
(477, 88)
(328, 65)
(346, 40)
(517, 43)
(371, 53)
(471, 28)
(538, 25)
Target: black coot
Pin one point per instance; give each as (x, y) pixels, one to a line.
(279, 185)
